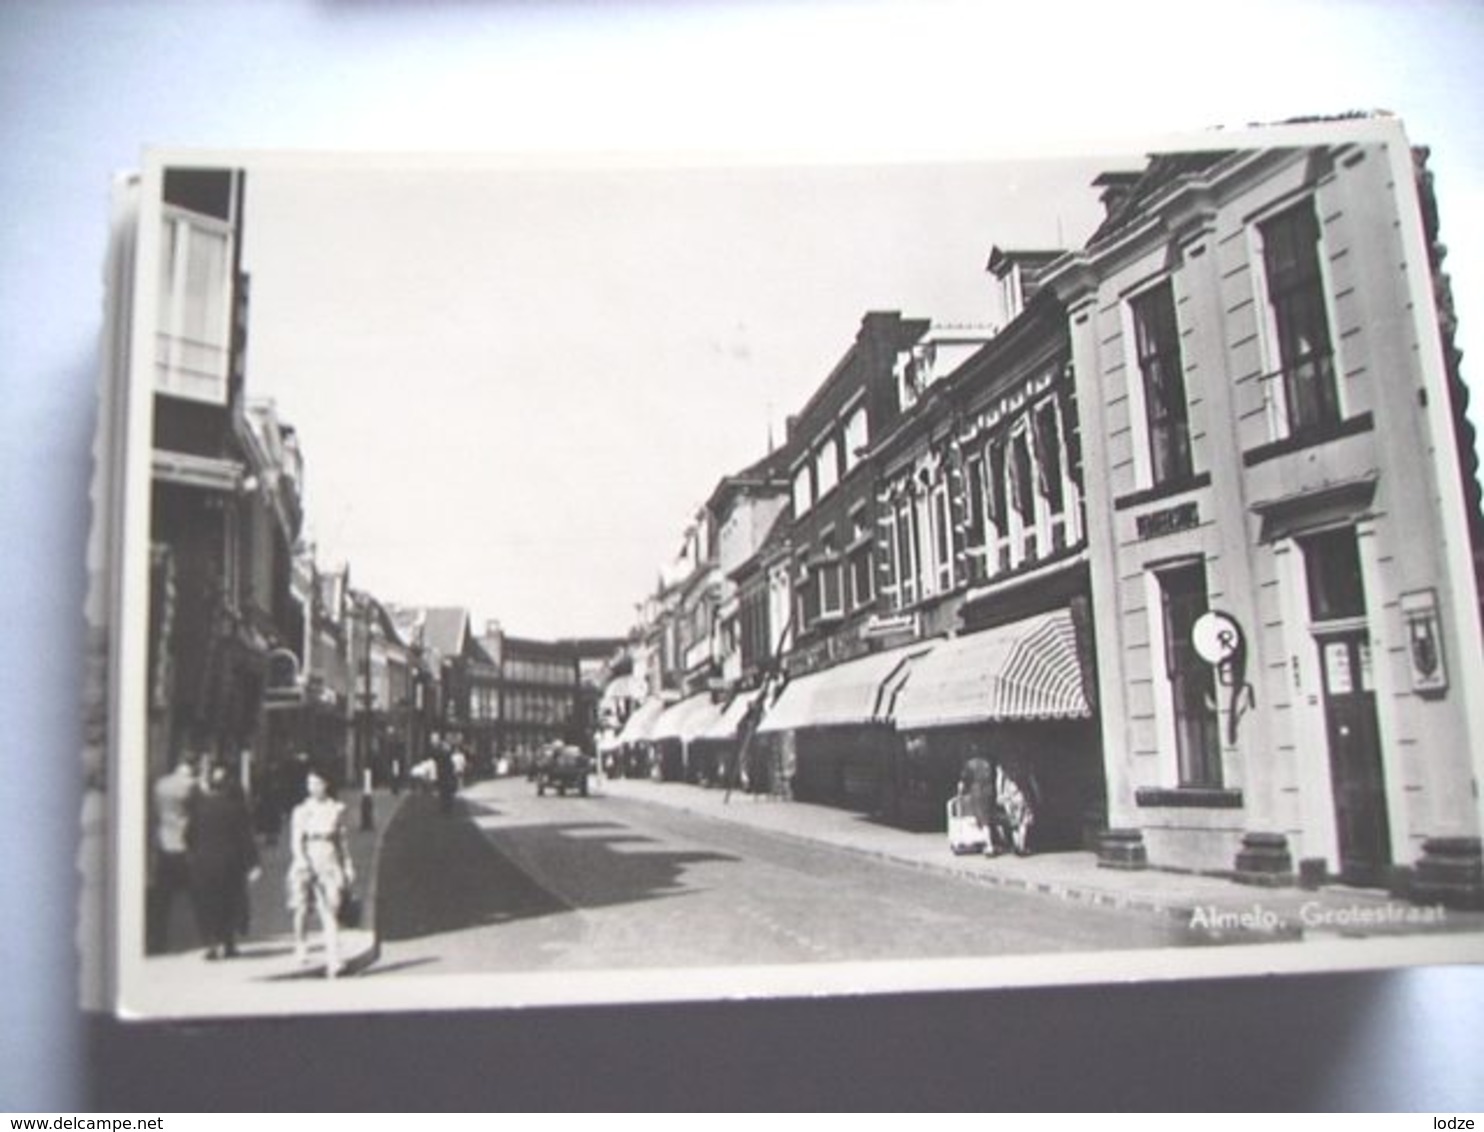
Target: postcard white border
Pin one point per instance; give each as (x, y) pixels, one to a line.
(135, 996)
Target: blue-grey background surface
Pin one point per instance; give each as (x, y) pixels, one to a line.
(84, 86)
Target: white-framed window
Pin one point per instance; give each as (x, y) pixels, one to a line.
(803, 490)
(827, 467)
(857, 437)
(997, 557)
(1021, 474)
(194, 318)
(942, 536)
(831, 600)
(906, 556)
(1012, 292)
(891, 571)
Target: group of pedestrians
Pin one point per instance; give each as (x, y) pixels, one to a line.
(204, 846)
(1003, 797)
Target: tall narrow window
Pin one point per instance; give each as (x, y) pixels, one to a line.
(974, 503)
(827, 468)
(1048, 456)
(860, 576)
(998, 556)
(942, 539)
(828, 572)
(803, 491)
(906, 556)
(891, 577)
(1157, 347)
(857, 437)
(1192, 685)
(1290, 249)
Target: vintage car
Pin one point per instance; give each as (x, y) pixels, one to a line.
(564, 767)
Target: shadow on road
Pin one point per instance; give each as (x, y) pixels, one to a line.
(441, 873)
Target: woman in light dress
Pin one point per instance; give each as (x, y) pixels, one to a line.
(321, 869)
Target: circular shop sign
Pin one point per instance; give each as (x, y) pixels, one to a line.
(1216, 637)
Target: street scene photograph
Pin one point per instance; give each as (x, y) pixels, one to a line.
(619, 579)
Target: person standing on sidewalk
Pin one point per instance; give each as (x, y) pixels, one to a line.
(977, 782)
(321, 869)
(171, 796)
(223, 859)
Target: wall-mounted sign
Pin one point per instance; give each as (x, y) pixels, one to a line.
(1218, 640)
(885, 626)
(1424, 642)
(1216, 637)
(1154, 524)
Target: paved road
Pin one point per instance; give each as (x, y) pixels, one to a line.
(513, 882)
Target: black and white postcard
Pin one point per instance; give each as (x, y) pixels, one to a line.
(522, 581)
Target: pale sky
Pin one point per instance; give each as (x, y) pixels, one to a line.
(513, 387)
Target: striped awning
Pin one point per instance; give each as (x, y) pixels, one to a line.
(637, 727)
(1026, 670)
(858, 691)
(686, 719)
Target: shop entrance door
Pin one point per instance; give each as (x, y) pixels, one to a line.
(1355, 757)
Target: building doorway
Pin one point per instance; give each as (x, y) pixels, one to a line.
(1337, 605)
(1355, 757)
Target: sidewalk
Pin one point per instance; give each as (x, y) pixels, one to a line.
(1221, 908)
(268, 950)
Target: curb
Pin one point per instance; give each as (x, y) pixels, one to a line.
(1180, 913)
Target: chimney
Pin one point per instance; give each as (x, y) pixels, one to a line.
(1117, 188)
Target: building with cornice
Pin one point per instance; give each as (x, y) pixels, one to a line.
(1281, 574)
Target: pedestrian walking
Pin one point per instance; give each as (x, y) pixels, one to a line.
(223, 860)
(171, 875)
(977, 782)
(445, 780)
(321, 870)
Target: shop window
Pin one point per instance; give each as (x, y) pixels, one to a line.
(1295, 284)
(1332, 570)
(1191, 680)
(1157, 354)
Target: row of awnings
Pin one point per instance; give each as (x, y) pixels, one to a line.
(1024, 671)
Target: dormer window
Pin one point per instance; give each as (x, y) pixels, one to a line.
(917, 366)
(1012, 291)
